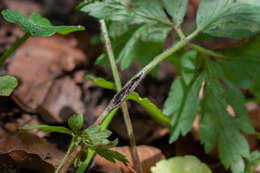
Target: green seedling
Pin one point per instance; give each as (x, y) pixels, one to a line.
(138, 30)
(94, 138)
(181, 164)
(33, 26)
(149, 107)
(7, 84)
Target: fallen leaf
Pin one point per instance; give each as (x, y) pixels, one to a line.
(148, 157)
(29, 151)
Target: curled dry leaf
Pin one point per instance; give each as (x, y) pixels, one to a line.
(29, 151)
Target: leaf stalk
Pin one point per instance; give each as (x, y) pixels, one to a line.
(11, 50)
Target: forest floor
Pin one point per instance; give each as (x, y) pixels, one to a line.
(52, 86)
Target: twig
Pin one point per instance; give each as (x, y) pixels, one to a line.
(70, 160)
(129, 127)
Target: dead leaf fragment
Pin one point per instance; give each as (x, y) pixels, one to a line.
(29, 151)
(148, 155)
(38, 63)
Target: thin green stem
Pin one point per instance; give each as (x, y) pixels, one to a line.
(253, 169)
(206, 51)
(91, 153)
(11, 50)
(127, 119)
(179, 32)
(110, 54)
(69, 151)
(141, 74)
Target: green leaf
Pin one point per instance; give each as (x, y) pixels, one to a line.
(112, 155)
(179, 164)
(49, 129)
(150, 108)
(102, 82)
(76, 122)
(181, 122)
(252, 162)
(217, 125)
(94, 135)
(108, 10)
(189, 66)
(137, 12)
(7, 85)
(174, 99)
(176, 94)
(177, 9)
(136, 27)
(146, 37)
(243, 66)
(229, 18)
(37, 25)
(149, 11)
(237, 101)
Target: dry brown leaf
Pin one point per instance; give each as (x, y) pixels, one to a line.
(29, 151)
(148, 156)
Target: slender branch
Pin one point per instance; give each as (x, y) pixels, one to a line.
(11, 50)
(91, 153)
(206, 51)
(129, 127)
(70, 160)
(69, 151)
(106, 117)
(179, 32)
(135, 80)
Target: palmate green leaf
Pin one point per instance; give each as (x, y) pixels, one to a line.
(177, 9)
(150, 108)
(120, 33)
(136, 27)
(229, 18)
(37, 25)
(49, 129)
(175, 96)
(179, 164)
(95, 135)
(7, 85)
(136, 11)
(183, 99)
(108, 10)
(149, 11)
(243, 66)
(217, 125)
(76, 122)
(181, 122)
(237, 101)
(146, 37)
(112, 155)
(178, 87)
(252, 162)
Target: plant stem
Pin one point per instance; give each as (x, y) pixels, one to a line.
(206, 51)
(179, 32)
(9, 51)
(69, 151)
(91, 153)
(127, 119)
(141, 74)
